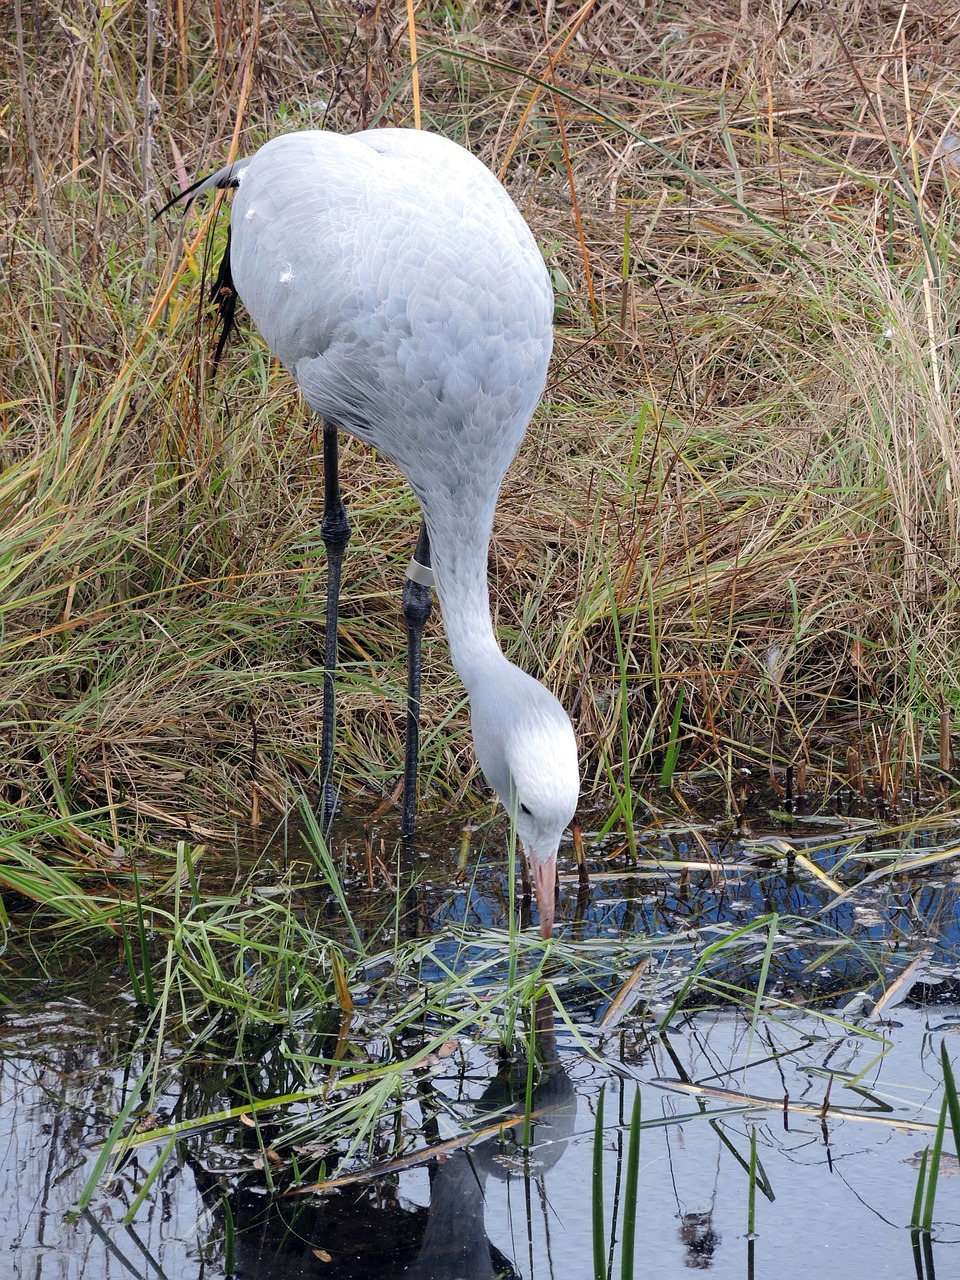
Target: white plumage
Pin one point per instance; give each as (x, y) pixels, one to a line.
(396, 280)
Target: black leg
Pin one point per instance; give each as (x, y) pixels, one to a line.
(417, 602)
(335, 532)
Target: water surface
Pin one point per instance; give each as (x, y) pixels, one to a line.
(836, 1076)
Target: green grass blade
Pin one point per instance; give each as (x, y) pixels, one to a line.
(934, 1178)
(596, 1187)
(531, 1076)
(752, 1186)
(318, 846)
(631, 1193)
(148, 1182)
(672, 753)
(917, 1209)
(108, 1148)
(229, 1237)
(953, 1102)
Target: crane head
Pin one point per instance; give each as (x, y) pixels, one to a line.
(528, 753)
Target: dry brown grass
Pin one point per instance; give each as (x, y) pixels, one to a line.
(734, 466)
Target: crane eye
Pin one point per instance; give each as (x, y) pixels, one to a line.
(524, 809)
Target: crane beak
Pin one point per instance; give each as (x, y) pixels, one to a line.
(545, 878)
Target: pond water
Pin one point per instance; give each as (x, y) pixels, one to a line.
(832, 1077)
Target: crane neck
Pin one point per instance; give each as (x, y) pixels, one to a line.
(458, 551)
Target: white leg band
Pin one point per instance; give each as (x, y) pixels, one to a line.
(420, 573)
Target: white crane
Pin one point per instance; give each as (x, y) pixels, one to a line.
(395, 279)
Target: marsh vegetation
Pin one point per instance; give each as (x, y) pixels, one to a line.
(731, 543)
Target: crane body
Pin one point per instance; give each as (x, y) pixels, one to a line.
(396, 280)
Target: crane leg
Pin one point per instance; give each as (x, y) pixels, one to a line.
(335, 532)
(417, 603)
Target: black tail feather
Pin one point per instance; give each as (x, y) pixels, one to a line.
(224, 295)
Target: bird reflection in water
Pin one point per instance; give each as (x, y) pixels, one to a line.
(367, 1231)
